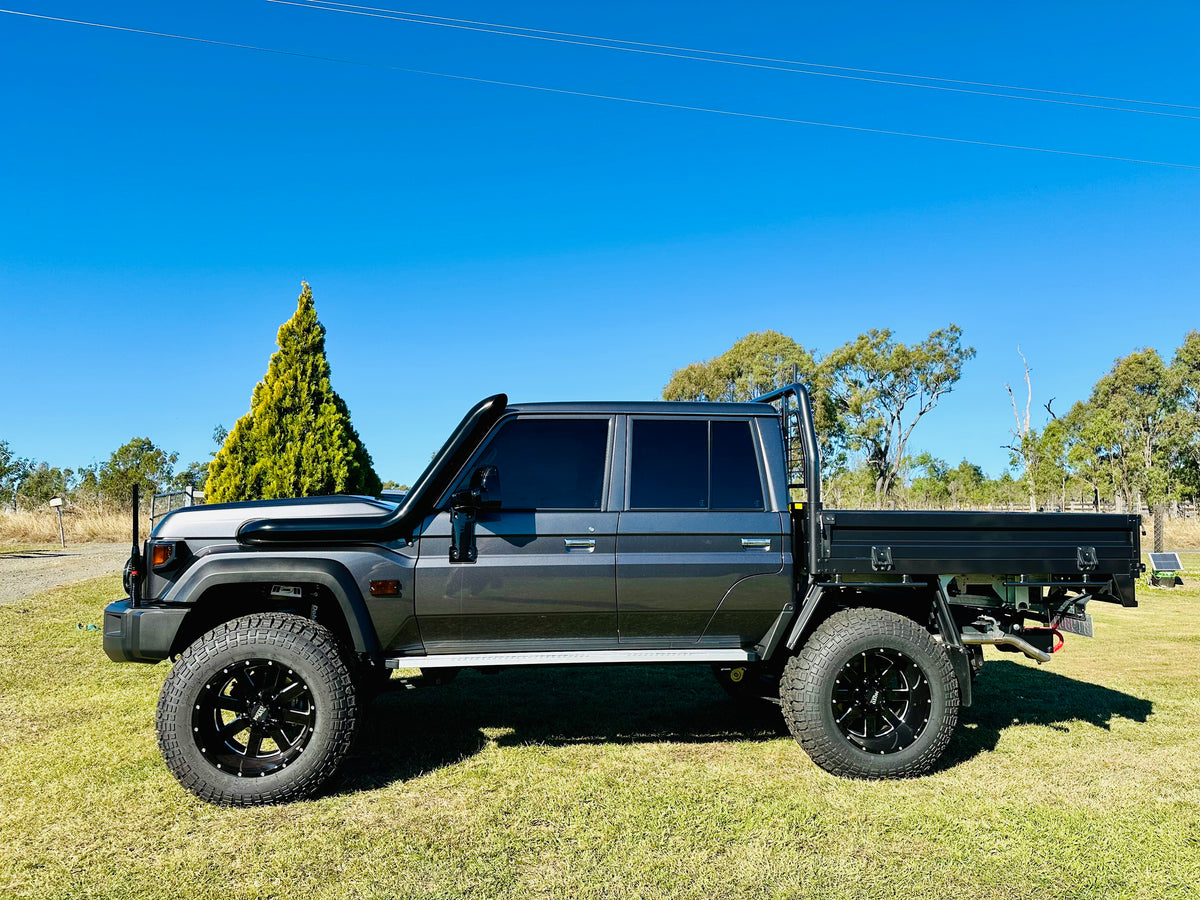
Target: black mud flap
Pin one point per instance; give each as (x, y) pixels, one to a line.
(960, 658)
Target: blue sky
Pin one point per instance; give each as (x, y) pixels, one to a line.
(162, 201)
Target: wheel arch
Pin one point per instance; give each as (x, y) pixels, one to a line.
(225, 589)
(918, 604)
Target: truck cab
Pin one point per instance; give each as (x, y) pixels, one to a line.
(616, 527)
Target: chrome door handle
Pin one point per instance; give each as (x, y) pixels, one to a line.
(756, 543)
(588, 544)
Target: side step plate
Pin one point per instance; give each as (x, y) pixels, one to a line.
(567, 658)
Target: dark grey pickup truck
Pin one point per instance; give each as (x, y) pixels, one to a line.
(598, 533)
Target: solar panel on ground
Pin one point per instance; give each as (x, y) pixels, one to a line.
(1165, 562)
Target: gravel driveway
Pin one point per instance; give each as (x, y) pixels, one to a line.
(27, 572)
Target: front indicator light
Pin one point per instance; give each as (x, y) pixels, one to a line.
(161, 555)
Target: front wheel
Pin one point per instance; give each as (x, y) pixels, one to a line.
(871, 695)
(259, 710)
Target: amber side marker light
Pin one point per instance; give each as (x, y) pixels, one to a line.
(385, 588)
(161, 554)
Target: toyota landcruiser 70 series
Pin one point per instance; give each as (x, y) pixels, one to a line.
(599, 534)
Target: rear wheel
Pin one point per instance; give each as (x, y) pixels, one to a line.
(871, 695)
(259, 710)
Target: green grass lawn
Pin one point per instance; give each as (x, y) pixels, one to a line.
(1081, 779)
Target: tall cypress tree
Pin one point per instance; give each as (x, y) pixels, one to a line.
(297, 439)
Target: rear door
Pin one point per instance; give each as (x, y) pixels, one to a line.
(696, 524)
(545, 573)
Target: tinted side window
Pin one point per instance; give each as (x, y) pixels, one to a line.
(550, 463)
(735, 480)
(682, 464)
(669, 469)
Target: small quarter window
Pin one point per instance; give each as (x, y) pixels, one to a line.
(735, 480)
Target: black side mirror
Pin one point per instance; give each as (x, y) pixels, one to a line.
(483, 493)
(485, 487)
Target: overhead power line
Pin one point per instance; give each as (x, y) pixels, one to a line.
(738, 59)
(595, 96)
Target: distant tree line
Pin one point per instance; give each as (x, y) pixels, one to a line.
(1134, 442)
(30, 484)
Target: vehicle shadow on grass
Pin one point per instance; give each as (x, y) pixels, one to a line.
(407, 733)
(1008, 694)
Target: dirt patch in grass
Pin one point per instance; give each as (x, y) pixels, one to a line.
(26, 570)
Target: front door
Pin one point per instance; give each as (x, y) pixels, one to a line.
(545, 570)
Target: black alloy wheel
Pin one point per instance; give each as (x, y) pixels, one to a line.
(254, 718)
(881, 701)
(261, 709)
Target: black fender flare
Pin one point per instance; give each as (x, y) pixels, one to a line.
(213, 572)
(802, 623)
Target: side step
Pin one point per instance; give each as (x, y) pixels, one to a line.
(567, 658)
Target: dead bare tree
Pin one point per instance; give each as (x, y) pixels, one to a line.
(1025, 445)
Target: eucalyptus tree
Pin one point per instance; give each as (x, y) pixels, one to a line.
(880, 388)
(756, 364)
(868, 394)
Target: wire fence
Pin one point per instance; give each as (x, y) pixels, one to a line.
(161, 504)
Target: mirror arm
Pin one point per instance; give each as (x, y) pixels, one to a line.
(462, 534)
(483, 493)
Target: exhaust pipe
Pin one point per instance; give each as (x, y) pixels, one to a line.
(996, 637)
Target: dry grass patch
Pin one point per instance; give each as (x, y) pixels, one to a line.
(1076, 780)
(1178, 534)
(81, 524)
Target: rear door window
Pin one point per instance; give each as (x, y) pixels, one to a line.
(669, 464)
(694, 464)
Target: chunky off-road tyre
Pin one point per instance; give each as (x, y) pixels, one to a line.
(871, 695)
(259, 710)
(747, 683)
